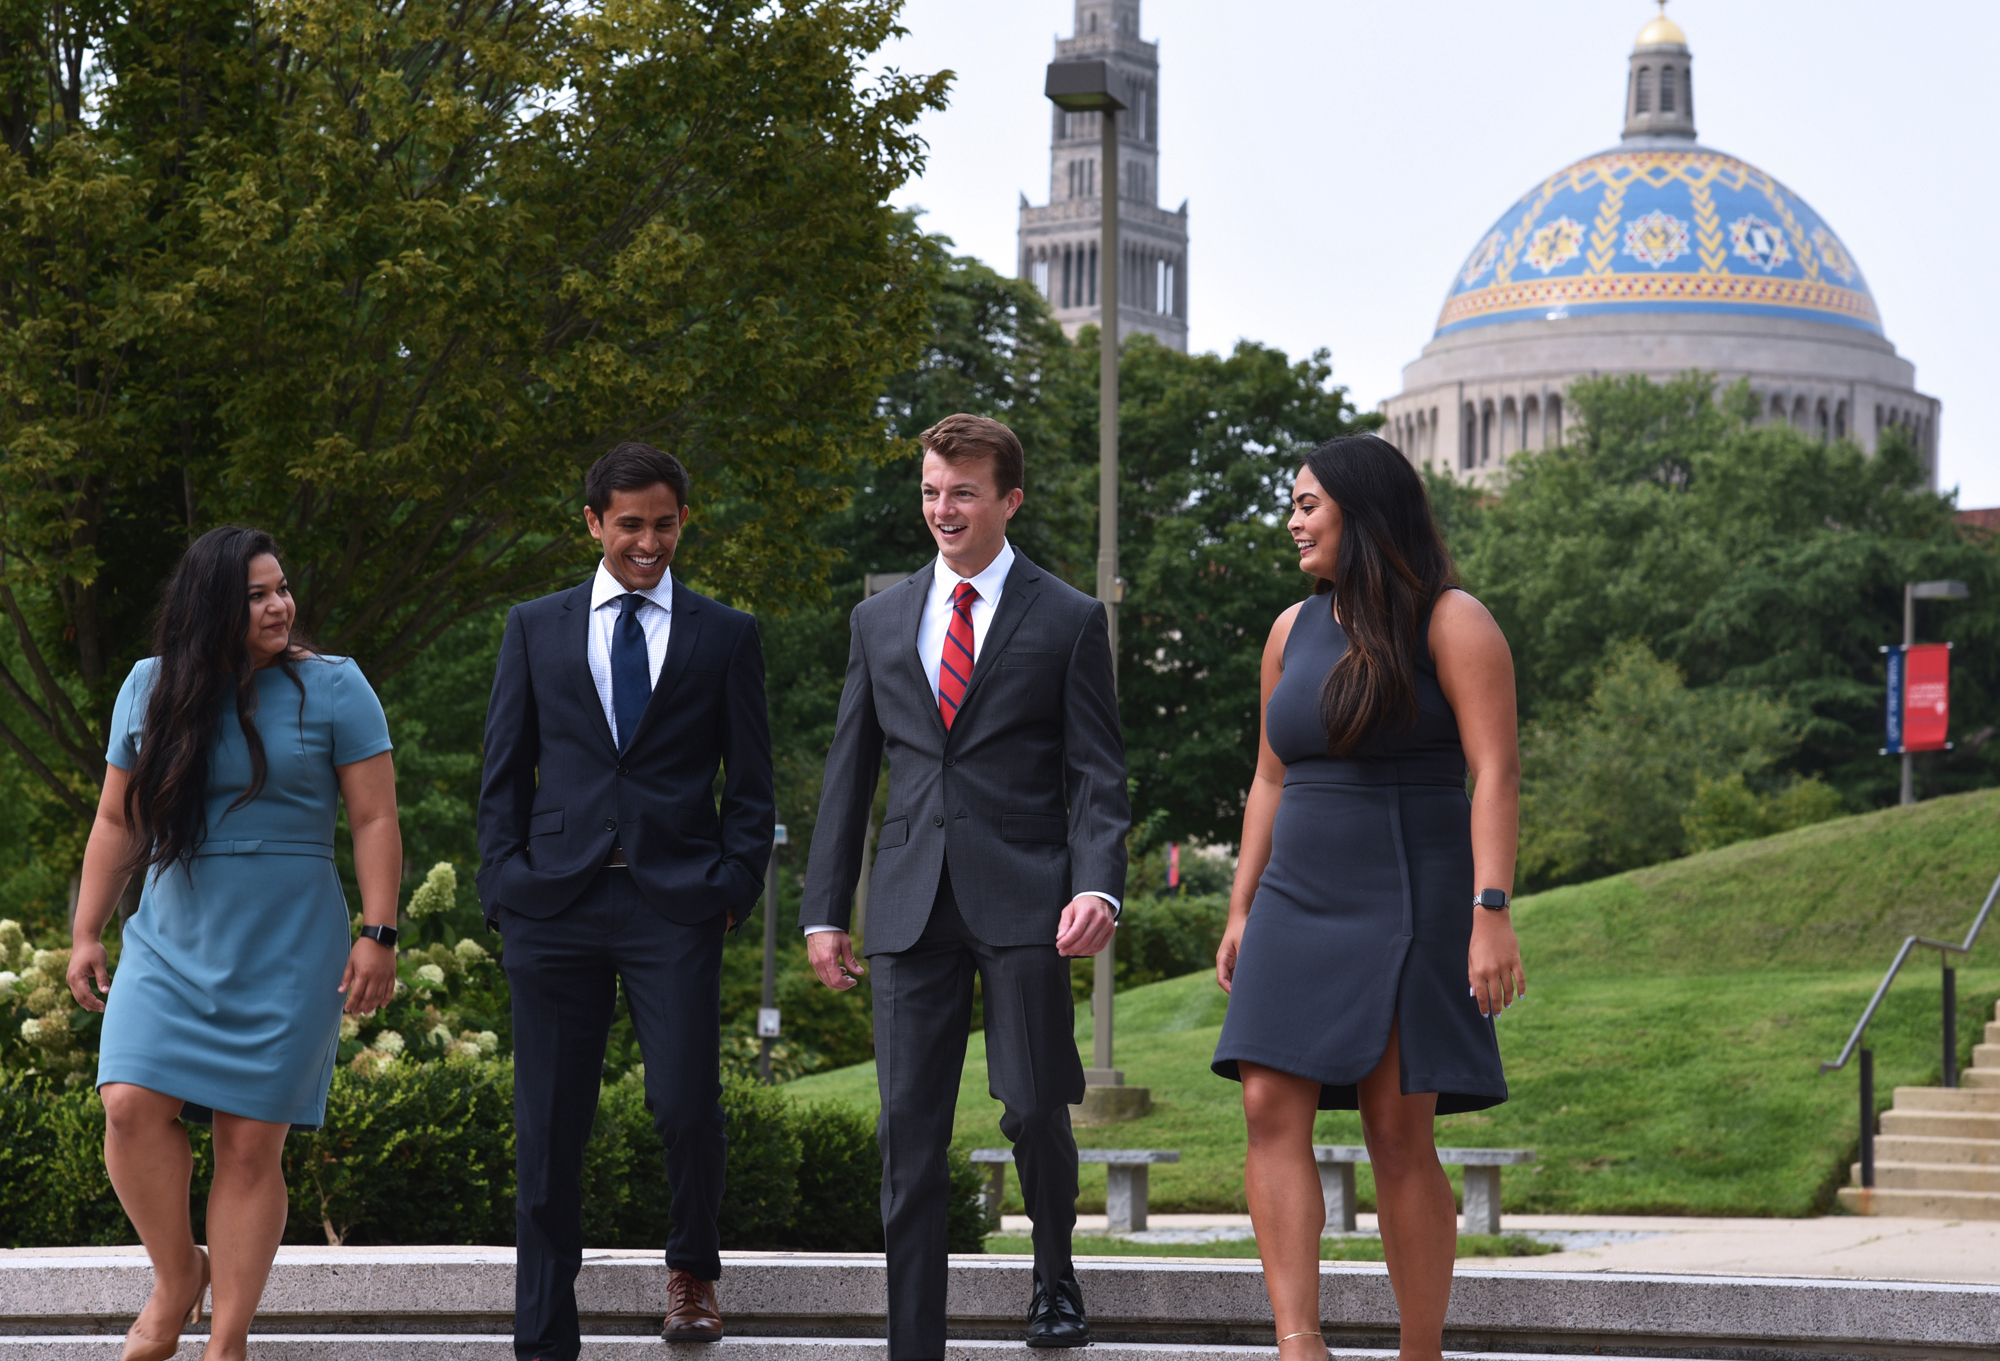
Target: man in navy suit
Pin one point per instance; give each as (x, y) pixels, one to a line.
(604, 859)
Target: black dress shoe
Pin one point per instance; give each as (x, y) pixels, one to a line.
(1055, 1316)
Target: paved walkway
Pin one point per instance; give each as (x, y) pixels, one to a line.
(1852, 1247)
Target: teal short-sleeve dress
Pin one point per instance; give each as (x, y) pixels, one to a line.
(224, 994)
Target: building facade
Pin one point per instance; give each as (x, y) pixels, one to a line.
(1655, 257)
(1059, 241)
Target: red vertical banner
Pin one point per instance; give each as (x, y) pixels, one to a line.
(1926, 696)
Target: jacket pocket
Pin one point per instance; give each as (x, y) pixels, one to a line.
(542, 824)
(1034, 827)
(895, 832)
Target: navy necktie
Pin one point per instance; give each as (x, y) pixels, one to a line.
(631, 671)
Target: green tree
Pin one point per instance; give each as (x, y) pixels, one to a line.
(1746, 555)
(383, 275)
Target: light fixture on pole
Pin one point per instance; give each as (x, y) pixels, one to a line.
(1099, 87)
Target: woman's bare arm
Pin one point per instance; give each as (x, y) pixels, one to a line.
(1476, 672)
(1260, 809)
(368, 788)
(102, 883)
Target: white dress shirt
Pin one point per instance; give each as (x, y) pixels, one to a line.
(935, 623)
(656, 617)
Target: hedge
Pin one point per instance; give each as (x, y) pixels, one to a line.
(424, 1154)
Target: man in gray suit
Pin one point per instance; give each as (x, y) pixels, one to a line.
(989, 682)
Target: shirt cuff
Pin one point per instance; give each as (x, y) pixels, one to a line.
(815, 930)
(1117, 909)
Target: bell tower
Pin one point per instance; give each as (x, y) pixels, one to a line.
(1058, 242)
(1659, 92)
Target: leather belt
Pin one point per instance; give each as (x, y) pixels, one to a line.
(617, 860)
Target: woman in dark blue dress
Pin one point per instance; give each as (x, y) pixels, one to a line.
(1369, 944)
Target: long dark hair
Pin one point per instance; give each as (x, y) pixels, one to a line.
(1392, 567)
(202, 644)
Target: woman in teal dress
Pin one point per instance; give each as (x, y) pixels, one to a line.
(229, 753)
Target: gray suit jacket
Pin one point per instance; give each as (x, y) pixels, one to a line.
(1025, 793)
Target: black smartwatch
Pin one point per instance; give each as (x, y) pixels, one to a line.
(1492, 899)
(384, 936)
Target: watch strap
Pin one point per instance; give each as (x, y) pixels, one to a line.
(1493, 899)
(384, 936)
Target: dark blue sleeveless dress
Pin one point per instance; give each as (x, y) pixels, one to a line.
(1364, 914)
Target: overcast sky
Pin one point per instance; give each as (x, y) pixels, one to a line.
(1342, 158)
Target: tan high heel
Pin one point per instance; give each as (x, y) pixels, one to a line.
(145, 1347)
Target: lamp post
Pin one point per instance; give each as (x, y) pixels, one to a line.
(1099, 87)
(1913, 591)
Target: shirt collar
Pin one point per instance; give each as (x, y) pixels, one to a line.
(988, 583)
(605, 588)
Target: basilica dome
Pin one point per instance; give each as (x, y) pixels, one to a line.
(1659, 230)
(1658, 256)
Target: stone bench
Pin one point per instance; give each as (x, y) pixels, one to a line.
(1125, 1180)
(1482, 1181)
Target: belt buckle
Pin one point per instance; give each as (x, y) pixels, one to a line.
(617, 860)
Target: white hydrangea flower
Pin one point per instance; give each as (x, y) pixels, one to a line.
(438, 892)
(7, 981)
(488, 1042)
(439, 1035)
(349, 1028)
(389, 1042)
(31, 1029)
(43, 959)
(470, 951)
(432, 974)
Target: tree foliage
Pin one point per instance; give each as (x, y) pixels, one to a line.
(383, 275)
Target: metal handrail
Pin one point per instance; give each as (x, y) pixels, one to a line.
(1911, 943)
(1949, 998)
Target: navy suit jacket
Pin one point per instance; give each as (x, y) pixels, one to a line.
(556, 794)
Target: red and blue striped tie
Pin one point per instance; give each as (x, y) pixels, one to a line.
(955, 668)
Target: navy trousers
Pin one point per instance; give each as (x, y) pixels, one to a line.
(564, 971)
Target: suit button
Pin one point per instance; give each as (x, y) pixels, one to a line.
(623, 771)
(950, 761)
(937, 820)
(611, 824)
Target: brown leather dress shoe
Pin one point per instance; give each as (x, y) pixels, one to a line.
(691, 1312)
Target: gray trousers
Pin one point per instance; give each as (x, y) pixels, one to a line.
(923, 1012)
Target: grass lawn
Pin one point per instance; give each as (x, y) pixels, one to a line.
(1666, 1057)
(1363, 1248)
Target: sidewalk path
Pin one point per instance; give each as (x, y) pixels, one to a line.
(1850, 1247)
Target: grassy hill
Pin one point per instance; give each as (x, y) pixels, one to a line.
(1666, 1057)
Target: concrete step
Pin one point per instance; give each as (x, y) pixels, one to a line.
(442, 1304)
(1916, 1148)
(1980, 1077)
(1898, 1176)
(470, 1347)
(1942, 1124)
(1921, 1204)
(1993, 1033)
(1986, 1055)
(1983, 1100)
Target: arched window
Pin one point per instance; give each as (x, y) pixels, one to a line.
(1552, 423)
(1799, 412)
(1666, 89)
(1038, 274)
(1090, 278)
(1823, 422)
(1510, 429)
(1431, 435)
(1468, 437)
(1485, 433)
(1777, 406)
(1531, 423)
(1840, 421)
(1642, 93)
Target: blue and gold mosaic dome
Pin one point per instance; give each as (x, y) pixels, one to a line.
(1656, 230)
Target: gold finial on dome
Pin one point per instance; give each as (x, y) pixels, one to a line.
(1661, 30)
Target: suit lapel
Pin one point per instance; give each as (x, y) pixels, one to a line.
(576, 644)
(1024, 585)
(909, 621)
(683, 633)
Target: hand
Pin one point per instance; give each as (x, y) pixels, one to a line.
(1493, 965)
(370, 979)
(1086, 926)
(89, 964)
(1225, 954)
(832, 956)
